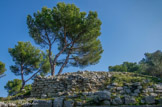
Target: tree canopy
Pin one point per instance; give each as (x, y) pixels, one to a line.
(13, 87)
(126, 67)
(28, 59)
(2, 69)
(152, 63)
(75, 32)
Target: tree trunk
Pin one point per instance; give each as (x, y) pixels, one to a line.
(62, 67)
(56, 57)
(49, 54)
(50, 60)
(23, 85)
(22, 77)
(65, 46)
(66, 60)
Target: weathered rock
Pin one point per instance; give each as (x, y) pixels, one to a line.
(158, 91)
(129, 100)
(117, 101)
(158, 86)
(119, 88)
(58, 102)
(103, 95)
(42, 103)
(134, 94)
(2, 104)
(109, 87)
(146, 81)
(11, 105)
(127, 91)
(43, 96)
(69, 103)
(137, 84)
(26, 105)
(106, 102)
(125, 87)
(114, 84)
(79, 103)
(139, 87)
(149, 90)
(160, 101)
(150, 99)
(70, 84)
(122, 92)
(142, 101)
(153, 94)
(137, 91)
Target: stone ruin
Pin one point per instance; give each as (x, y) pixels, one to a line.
(95, 86)
(89, 89)
(69, 83)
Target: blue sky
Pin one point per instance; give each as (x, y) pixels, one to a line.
(129, 29)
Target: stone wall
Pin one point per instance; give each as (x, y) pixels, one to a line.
(99, 88)
(69, 83)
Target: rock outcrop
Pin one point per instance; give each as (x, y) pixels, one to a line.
(85, 89)
(69, 83)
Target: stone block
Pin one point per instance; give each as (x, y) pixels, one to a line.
(150, 99)
(69, 103)
(42, 103)
(58, 102)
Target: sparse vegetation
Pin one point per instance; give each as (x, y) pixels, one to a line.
(150, 65)
(2, 69)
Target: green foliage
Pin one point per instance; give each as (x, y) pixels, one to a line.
(41, 27)
(2, 68)
(82, 31)
(13, 87)
(27, 58)
(44, 64)
(88, 54)
(26, 92)
(152, 64)
(127, 77)
(75, 32)
(126, 67)
(28, 87)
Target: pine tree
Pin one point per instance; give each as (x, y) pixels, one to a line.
(28, 60)
(76, 34)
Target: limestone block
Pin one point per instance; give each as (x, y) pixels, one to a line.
(150, 99)
(58, 102)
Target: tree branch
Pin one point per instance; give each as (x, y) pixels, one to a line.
(49, 54)
(2, 75)
(66, 60)
(32, 76)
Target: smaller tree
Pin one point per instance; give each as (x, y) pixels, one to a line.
(152, 64)
(126, 67)
(2, 69)
(13, 87)
(28, 60)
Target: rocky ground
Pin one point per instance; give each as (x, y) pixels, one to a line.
(93, 89)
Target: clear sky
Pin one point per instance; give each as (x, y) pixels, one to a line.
(129, 29)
